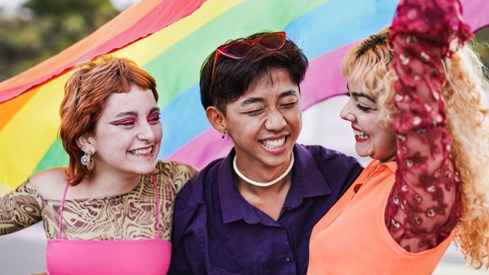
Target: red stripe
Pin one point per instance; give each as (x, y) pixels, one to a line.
(143, 21)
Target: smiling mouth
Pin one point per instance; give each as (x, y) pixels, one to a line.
(361, 135)
(142, 152)
(273, 143)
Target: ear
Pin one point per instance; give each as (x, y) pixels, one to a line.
(216, 118)
(86, 144)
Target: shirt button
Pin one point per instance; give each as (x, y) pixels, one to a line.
(287, 259)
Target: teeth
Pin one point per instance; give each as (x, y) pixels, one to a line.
(360, 134)
(142, 151)
(273, 143)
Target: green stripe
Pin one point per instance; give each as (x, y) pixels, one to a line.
(54, 157)
(178, 68)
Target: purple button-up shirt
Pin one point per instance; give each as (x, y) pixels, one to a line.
(216, 231)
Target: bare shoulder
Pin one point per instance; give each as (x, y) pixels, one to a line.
(50, 183)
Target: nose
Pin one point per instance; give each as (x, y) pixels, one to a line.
(146, 132)
(347, 111)
(275, 121)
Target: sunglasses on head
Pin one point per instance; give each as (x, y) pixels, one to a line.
(238, 49)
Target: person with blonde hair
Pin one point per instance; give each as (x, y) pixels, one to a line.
(110, 211)
(417, 108)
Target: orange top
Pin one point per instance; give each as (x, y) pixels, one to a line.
(352, 237)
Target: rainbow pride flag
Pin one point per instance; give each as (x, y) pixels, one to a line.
(170, 39)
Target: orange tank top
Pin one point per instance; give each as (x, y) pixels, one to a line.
(352, 237)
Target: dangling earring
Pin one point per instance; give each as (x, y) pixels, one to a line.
(87, 160)
(223, 134)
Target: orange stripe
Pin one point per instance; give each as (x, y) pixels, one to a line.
(10, 108)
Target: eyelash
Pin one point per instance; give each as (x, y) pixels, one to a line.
(254, 112)
(284, 106)
(363, 108)
(289, 105)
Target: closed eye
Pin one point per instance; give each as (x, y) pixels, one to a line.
(154, 117)
(289, 105)
(127, 122)
(254, 112)
(363, 108)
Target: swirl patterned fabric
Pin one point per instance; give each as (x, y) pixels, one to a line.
(130, 216)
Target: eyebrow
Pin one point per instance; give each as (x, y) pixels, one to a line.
(360, 94)
(135, 114)
(252, 100)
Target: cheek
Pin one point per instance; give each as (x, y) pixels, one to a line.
(158, 131)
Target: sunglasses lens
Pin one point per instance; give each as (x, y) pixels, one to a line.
(272, 41)
(237, 49)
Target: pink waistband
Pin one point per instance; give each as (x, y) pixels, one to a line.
(108, 257)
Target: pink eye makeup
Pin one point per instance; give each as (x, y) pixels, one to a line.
(124, 122)
(154, 117)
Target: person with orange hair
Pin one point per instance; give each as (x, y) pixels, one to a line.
(110, 211)
(417, 108)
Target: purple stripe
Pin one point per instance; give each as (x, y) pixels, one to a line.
(323, 80)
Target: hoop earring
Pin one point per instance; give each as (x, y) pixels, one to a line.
(223, 134)
(87, 160)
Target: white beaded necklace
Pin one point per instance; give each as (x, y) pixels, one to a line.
(263, 184)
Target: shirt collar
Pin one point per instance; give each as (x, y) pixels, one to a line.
(307, 181)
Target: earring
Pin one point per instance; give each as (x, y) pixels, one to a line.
(223, 134)
(87, 160)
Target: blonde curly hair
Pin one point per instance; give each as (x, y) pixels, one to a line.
(466, 106)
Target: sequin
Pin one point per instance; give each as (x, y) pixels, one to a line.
(412, 14)
(417, 198)
(431, 188)
(430, 213)
(437, 174)
(408, 163)
(416, 120)
(439, 118)
(395, 224)
(448, 174)
(396, 200)
(411, 39)
(425, 56)
(404, 188)
(404, 59)
(417, 220)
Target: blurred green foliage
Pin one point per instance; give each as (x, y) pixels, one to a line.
(482, 46)
(43, 28)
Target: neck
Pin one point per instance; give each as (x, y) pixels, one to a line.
(263, 184)
(110, 184)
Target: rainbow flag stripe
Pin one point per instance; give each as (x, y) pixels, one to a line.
(170, 39)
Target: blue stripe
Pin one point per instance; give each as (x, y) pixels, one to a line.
(331, 25)
(185, 108)
(339, 22)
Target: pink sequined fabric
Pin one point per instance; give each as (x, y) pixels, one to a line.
(424, 205)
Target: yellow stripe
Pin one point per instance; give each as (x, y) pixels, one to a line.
(27, 137)
(144, 50)
(25, 140)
